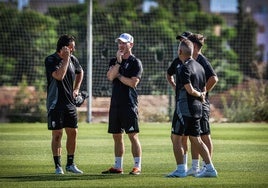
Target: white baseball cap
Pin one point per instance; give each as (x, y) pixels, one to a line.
(125, 37)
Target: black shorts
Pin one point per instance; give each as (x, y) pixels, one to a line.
(204, 123)
(123, 119)
(192, 126)
(177, 124)
(59, 119)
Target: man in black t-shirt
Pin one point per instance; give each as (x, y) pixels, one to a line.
(191, 85)
(211, 81)
(172, 75)
(125, 72)
(64, 77)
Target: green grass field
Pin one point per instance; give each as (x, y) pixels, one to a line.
(240, 157)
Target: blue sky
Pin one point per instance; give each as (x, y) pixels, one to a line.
(229, 6)
(215, 5)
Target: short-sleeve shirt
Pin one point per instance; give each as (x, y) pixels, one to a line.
(209, 72)
(123, 95)
(191, 72)
(174, 69)
(60, 93)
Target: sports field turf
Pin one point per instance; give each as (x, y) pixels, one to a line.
(240, 157)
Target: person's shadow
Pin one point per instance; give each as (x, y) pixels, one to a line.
(54, 177)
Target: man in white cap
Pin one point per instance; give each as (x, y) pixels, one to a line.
(125, 72)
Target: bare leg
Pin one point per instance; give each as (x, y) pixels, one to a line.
(194, 152)
(119, 148)
(135, 144)
(184, 144)
(209, 170)
(136, 151)
(201, 148)
(207, 140)
(56, 142)
(177, 148)
(178, 154)
(71, 147)
(71, 140)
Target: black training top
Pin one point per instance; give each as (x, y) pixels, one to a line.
(191, 72)
(206, 65)
(174, 69)
(60, 93)
(123, 95)
(209, 71)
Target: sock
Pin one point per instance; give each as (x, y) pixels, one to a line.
(185, 161)
(57, 161)
(70, 160)
(185, 156)
(137, 162)
(203, 163)
(195, 163)
(118, 163)
(181, 167)
(210, 166)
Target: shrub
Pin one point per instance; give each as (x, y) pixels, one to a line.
(29, 105)
(250, 104)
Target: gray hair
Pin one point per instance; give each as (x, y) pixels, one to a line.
(187, 47)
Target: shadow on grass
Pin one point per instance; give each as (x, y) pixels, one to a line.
(63, 177)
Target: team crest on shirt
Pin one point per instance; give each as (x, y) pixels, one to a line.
(126, 65)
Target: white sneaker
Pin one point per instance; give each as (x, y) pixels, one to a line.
(177, 173)
(73, 168)
(192, 171)
(207, 173)
(59, 170)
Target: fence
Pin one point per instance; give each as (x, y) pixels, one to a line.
(29, 35)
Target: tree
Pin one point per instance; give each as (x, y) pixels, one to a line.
(244, 44)
(26, 38)
(155, 32)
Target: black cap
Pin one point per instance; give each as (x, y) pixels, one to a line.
(184, 35)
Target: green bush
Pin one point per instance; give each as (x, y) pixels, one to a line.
(29, 105)
(7, 67)
(250, 104)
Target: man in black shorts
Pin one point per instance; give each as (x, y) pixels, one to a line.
(191, 84)
(125, 72)
(64, 77)
(173, 70)
(211, 81)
